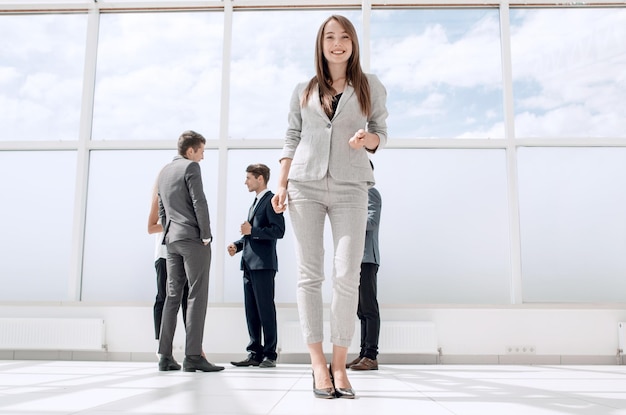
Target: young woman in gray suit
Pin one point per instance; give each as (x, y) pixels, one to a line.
(334, 120)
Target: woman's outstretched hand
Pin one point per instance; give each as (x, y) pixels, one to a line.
(357, 141)
(279, 201)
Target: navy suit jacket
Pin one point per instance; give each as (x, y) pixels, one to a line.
(259, 248)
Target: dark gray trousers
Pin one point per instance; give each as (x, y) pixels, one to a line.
(188, 261)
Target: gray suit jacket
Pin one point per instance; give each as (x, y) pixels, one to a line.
(374, 205)
(318, 145)
(182, 204)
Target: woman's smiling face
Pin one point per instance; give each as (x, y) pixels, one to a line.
(337, 43)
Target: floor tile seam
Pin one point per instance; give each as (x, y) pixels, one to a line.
(594, 402)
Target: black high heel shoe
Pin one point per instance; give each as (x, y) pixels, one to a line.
(324, 393)
(345, 393)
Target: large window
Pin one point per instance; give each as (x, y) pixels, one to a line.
(158, 74)
(503, 181)
(443, 72)
(42, 61)
(272, 52)
(568, 72)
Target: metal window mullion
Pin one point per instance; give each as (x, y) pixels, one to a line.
(366, 42)
(82, 164)
(222, 174)
(511, 156)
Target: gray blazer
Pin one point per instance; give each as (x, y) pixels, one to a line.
(318, 145)
(183, 207)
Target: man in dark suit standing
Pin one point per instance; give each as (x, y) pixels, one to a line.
(368, 311)
(259, 264)
(184, 214)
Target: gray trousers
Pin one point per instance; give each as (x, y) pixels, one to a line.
(345, 204)
(187, 261)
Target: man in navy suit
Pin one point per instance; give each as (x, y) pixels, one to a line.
(259, 264)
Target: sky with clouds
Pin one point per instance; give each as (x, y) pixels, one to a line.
(442, 69)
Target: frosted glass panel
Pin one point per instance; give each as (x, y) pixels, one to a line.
(119, 253)
(239, 200)
(444, 232)
(444, 235)
(37, 189)
(573, 224)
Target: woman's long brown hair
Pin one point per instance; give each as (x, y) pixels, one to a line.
(354, 73)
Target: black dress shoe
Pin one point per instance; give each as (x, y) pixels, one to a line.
(324, 393)
(168, 363)
(193, 363)
(249, 361)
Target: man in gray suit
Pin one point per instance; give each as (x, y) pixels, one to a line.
(184, 214)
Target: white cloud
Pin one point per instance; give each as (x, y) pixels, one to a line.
(8, 75)
(419, 60)
(575, 61)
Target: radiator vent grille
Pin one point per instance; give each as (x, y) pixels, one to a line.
(408, 337)
(52, 334)
(400, 337)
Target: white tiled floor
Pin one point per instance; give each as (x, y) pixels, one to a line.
(115, 388)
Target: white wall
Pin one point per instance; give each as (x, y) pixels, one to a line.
(476, 334)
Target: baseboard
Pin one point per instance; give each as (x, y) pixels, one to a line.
(303, 358)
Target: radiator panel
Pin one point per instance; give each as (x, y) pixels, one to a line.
(418, 337)
(52, 334)
(397, 337)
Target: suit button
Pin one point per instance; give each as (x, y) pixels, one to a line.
(328, 125)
